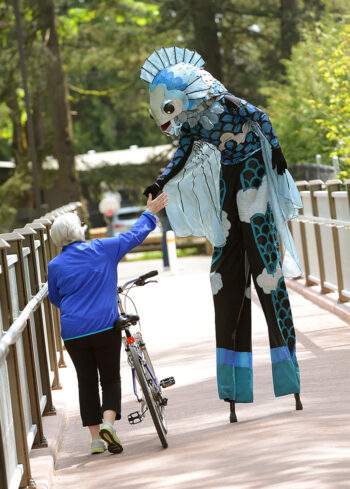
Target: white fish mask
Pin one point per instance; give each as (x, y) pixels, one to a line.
(178, 86)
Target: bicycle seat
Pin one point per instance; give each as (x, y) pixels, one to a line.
(127, 320)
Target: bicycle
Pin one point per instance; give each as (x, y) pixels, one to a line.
(147, 388)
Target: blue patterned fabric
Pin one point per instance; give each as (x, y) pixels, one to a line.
(284, 314)
(252, 174)
(266, 239)
(233, 137)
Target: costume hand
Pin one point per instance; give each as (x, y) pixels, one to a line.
(158, 203)
(153, 189)
(278, 160)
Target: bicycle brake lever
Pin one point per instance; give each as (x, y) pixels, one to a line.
(151, 281)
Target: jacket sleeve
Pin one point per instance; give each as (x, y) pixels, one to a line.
(180, 157)
(250, 112)
(53, 293)
(118, 247)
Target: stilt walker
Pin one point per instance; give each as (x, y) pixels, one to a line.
(228, 181)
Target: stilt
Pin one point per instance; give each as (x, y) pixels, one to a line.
(298, 404)
(233, 417)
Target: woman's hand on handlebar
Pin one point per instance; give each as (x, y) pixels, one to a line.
(157, 204)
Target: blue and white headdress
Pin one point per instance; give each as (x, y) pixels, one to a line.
(180, 90)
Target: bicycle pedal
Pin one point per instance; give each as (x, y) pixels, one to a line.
(135, 417)
(164, 383)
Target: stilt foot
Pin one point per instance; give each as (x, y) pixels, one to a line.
(298, 404)
(233, 417)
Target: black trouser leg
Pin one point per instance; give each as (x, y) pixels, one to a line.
(108, 363)
(261, 244)
(230, 280)
(94, 355)
(251, 247)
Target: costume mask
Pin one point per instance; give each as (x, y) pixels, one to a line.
(180, 90)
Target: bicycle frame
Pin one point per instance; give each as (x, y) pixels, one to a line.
(146, 387)
(138, 346)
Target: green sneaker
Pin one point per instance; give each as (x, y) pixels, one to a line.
(108, 434)
(98, 446)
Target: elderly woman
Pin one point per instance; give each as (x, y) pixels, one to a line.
(83, 285)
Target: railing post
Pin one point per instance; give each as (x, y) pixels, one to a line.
(35, 283)
(3, 472)
(333, 186)
(51, 252)
(15, 241)
(347, 186)
(50, 330)
(304, 186)
(14, 373)
(316, 185)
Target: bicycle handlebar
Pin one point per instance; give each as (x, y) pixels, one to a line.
(141, 280)
(153, 273)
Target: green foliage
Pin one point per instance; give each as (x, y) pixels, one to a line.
(307, 110)
(5, 132)
(334, 68)
(13, 194)
(103, 45)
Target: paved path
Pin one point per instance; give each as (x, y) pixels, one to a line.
(272, 445)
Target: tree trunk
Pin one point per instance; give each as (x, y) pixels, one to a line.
(60, 110)
(39, 127)
(206, 35)
(19, 146)
(289, 27)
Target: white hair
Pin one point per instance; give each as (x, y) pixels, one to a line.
(67, 229)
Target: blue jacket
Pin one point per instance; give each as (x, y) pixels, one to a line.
(83, 279)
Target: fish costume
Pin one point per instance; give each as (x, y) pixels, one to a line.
(228, 181)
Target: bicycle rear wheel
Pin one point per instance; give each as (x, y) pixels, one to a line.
(155, 410)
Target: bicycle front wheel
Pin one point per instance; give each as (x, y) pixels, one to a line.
(154, 409)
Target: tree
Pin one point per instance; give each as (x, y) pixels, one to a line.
(334, 68)
(60, 109)
(289, 26)
(205, 31)
(310, 110)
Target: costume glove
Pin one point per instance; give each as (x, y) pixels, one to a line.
(278, 160)
(154, 189)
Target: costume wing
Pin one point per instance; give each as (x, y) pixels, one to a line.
(194, 196)
(285, 202)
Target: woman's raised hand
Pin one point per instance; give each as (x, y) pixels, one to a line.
(157, 204)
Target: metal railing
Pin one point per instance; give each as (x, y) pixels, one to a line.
(31, 349)
(322, 235)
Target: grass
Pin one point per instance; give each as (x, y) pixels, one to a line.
(153, 255)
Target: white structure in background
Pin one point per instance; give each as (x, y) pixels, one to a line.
(132, 156)
(110, 203)
(171, 245)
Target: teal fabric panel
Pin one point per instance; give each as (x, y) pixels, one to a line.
(244, 384)
(286, 378)
(235, 383)
(226, 381)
